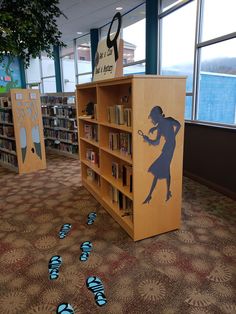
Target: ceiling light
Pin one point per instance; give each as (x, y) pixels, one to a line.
(119, 8)
(79, 33)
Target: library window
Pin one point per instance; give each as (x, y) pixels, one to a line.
(217, 83)
(168, 4)
(177, 45)
(84, 62)
(218, 18)
(68, 68)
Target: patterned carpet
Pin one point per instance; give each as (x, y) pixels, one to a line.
(192, 270)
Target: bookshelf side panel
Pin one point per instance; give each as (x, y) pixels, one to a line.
(158, 130)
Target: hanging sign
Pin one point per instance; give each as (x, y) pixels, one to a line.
(109, 55)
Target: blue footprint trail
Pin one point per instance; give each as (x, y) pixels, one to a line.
(86, 248)
(95, 285)
(64, 231)
(91, 217)
(65, 308)
(53, 266)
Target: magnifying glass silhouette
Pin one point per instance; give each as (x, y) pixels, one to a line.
(113, 42)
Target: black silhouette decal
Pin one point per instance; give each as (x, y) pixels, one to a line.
(160, 168)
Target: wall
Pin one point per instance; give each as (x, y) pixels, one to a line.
(10, 76)
(210, 156)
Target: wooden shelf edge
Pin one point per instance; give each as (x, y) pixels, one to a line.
(88, 119)
(91, 165)
(117, 126)
(90, 142)
(118, 186)
(12, 152)
(7, 137)
(118, 155)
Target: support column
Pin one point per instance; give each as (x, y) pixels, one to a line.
(94, 38)
(151, 36)
(56, 53)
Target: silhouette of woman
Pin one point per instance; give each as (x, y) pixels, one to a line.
(168, 128)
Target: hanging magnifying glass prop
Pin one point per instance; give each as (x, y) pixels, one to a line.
(113, 42)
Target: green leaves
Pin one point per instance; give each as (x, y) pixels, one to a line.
(28, 27)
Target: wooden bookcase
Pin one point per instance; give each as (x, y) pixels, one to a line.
(60, 123)
(21, 131)
(156, 159)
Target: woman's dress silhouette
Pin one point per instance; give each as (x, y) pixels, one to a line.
(160, 168)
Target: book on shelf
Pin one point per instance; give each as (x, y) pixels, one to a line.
(121, 142)
(9, 145)
(127, 176)
(91, 132)
(8, 158)
(118, 114)
(7, 130)
(115, 170)
(92, 156)
(125, 204)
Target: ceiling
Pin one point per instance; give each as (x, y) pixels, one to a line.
(83, 15)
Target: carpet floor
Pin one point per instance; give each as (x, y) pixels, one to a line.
(192, 270)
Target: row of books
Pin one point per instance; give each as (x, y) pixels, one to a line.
(118, 114)
(121, 142)
(91, 132)
(8, 158)
(92, 156)
(124, 203)
(123, 172)
(61, 135)
(59, 111)
(53, 100)
(64, 147)
(10, 145)
(5, 102)
(61, 123)
(6, 116)
(7, 130)
(92, 176)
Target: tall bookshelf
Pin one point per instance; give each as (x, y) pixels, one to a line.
(60, 123)
(121, 161)
(21, 132)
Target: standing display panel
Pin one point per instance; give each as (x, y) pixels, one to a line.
(21, 131)
(131, 149)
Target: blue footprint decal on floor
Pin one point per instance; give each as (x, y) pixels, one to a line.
(91, 217)
(86, 248)
(95, 285)
(53, 266)
(65, 308)
(64, 230)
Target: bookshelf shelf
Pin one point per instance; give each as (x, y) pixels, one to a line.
(60, 123)
(90, 141)
(117, 126)
(91, 165)
(12, 152)
(21, 132)
(136, 181)
(117, 154)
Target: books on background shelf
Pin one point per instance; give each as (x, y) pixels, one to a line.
(7, 130)
(5, 102)
(91, 132)
(92, 156)
(121, 142)
(8, 158)
(6, 144)
(60, 123)
(118, 114)
(5, 116)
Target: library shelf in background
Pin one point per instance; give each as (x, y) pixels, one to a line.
(60, 124)
(21, 131)
(131, 147)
